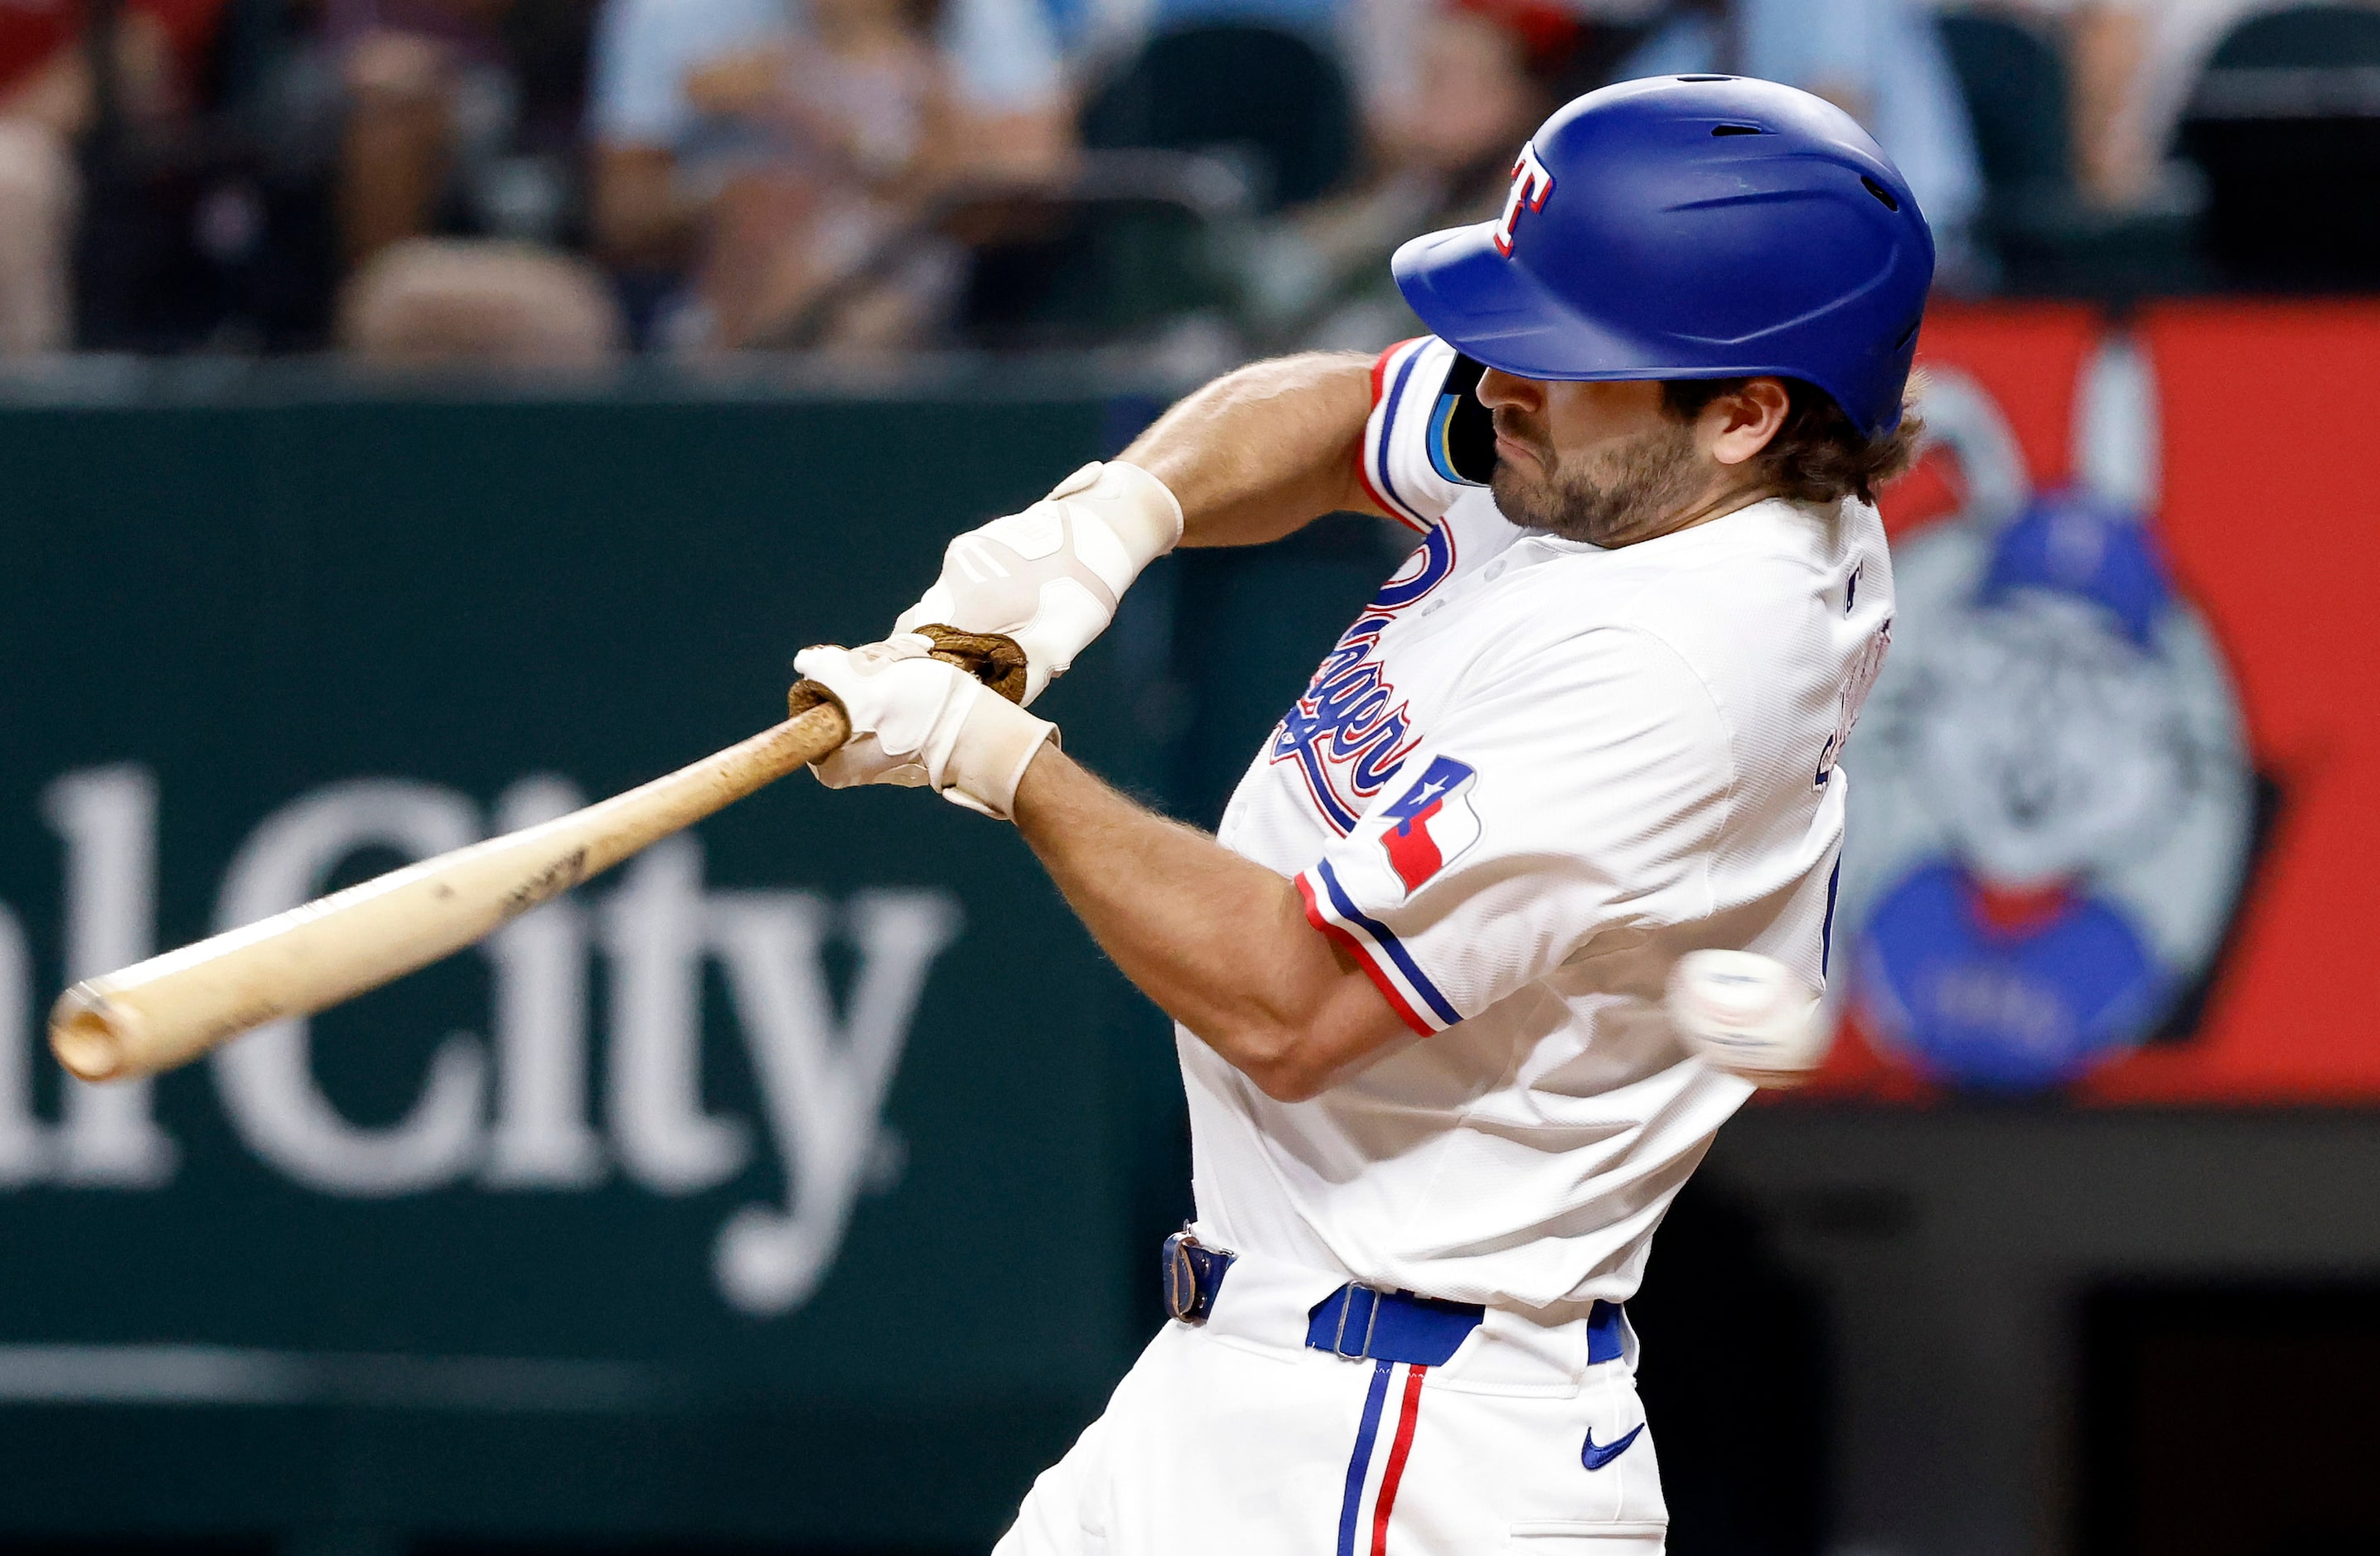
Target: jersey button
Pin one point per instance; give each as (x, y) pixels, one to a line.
(1495, 571)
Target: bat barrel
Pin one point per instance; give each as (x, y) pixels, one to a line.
(92, 1038)
(172, 1008)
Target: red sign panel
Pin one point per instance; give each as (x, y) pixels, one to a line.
(2112, 828)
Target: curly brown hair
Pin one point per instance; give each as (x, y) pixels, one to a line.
(1819, 455)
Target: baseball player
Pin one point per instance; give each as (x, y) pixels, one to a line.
(1590, 725)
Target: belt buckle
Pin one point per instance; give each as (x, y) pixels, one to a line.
(1362, 1351)
(1183, 1300)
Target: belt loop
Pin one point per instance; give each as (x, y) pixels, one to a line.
(1399, 1326)
(1192, 1274)
(1371, 1322)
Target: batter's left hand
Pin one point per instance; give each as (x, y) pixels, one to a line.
(1050, 577)
(917, 721)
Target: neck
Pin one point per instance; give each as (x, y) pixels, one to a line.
(1722, 499)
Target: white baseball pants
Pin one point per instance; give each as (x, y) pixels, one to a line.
(1235, 1437)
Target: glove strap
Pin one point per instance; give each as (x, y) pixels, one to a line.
(994, 747)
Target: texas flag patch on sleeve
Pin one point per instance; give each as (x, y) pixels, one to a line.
(1432, 824)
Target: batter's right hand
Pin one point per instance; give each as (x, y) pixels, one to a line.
(1049, 577)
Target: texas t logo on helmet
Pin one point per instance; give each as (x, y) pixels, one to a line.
(1532, 182)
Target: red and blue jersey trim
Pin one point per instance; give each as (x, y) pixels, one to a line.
(1377, 950)
(1388, 398)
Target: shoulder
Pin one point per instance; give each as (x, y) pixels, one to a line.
(1728, 604)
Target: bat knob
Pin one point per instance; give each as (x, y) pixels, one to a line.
(989, 656)
(85, 1035)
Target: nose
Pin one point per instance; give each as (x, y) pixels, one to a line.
(1498, 387)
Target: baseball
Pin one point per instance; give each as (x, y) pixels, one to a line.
(1748, 1015)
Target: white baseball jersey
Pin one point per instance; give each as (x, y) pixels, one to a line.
(1530, 776)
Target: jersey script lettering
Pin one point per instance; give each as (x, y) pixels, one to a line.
(1349, 732)
(1856, 685)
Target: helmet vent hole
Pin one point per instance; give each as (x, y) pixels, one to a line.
(1884, 196)
(1705, 78)
(1737, 129)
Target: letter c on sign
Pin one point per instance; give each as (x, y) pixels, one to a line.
(266, 1078)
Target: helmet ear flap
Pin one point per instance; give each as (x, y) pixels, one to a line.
(1469, 440)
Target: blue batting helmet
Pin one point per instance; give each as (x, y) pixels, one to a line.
(1692, 226)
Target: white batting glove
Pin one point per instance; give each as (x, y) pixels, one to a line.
(1050, 577)
(915, 721)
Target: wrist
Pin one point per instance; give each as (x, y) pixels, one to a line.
(1138, 509)
(1050, 577)
(994, 745)
(1044, 790)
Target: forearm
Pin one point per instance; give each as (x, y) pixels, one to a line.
(1219, 942)
(1264, 450)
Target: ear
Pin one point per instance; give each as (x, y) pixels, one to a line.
(1735, 427)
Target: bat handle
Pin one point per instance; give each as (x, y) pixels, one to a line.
(989, 656)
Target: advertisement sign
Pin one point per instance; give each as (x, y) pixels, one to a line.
(703, 1199)
(2102, 840)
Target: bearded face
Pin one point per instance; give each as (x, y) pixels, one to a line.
(1620, 491)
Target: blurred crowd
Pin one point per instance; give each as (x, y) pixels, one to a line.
(564, 181)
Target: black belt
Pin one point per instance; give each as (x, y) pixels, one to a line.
(1363, 1323)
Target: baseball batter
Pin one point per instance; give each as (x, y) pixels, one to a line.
(1592, 724)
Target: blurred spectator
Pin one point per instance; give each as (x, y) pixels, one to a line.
(39, 193)
(2105, 47)
(461, 114)
(47, 55)
(2134, 65)
(426, 301)
(67, 71)
(1575, 45)
(275, 146)
(858, 121)
(1441, 125)
(401, 83)
(766, 152)
(458, 113)
(1880, 60)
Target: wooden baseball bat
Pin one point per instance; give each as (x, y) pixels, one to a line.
(172, 1008)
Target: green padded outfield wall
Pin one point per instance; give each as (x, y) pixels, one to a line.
(780, 1186)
